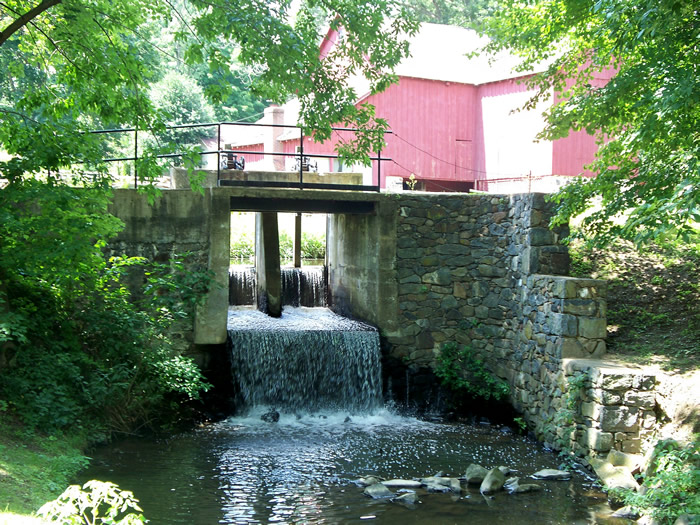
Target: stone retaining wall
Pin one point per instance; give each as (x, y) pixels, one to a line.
(486, 271)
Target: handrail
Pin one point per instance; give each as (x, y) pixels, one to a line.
(301, 154)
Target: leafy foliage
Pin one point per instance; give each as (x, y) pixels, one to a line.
(652, 297)
(461, 370)
(672, 489)
(454, 12)
(313, 246)
(645, 119)
(73, 66)
(75, 349)
(97, 502)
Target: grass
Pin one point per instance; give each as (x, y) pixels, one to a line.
(653, 300)
(34, 469)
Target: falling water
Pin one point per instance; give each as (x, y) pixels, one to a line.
(307, 360)
(304, 286)
(241, 285)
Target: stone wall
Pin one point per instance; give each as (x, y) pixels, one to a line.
(616, 408)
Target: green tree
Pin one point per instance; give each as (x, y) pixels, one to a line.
(95, 59)
(468, 13)
(646, 119)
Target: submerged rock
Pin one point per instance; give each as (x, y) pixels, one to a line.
(552, 474)
(378, 491)
(271, 417)
(493, 482)
(475, 474)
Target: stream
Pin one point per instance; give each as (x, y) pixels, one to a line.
(301, 470)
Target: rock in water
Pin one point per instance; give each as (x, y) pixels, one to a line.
(366, 482)
(493, 482)
(552, 474)
(513, 486)
(271, 417)
(436, 487)
(507, 471)
(627, 513)
(614, 477)
(475, 474)
(402, 484)
(378, 491)
(410, 498)
(432, 480)
(455, 486)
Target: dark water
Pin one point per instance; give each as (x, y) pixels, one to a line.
(300, 470)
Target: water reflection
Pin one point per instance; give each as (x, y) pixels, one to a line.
(300, 470)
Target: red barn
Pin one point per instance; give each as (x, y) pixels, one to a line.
(455, 122)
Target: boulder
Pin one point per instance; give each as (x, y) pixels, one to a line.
(378, 491)
(552, 474)
(614, 477)
(493, 482)
(625, 513)
(475, 474)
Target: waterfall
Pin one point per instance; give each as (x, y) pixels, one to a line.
(307, 360)
(304, 286)
(241, 285)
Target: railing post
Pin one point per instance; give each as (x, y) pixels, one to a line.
(136, 156)
(379, 171)
(301, 159)
(218, 153)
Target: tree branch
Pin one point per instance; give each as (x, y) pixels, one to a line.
(26, 18)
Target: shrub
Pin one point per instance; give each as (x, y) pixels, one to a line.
(672, 489)
(97, 502)
(461, 370)
(313, 246)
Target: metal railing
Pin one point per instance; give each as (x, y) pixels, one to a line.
(300, 155)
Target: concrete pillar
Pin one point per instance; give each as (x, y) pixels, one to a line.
(274, 115)
(297, 241)
(267, 264)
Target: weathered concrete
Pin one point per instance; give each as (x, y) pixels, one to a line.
(180, 180)
(268, 292)
(178, 223)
